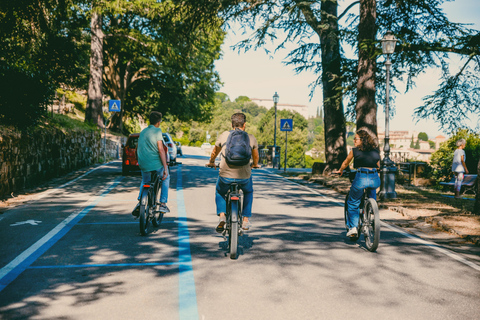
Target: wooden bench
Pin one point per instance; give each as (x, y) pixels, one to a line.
(468, 183)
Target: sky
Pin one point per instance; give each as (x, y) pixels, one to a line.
(256, 74)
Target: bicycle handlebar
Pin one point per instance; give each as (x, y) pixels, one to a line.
(209, 165)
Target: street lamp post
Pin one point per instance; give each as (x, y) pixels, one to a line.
(274, 152)
(387, 173)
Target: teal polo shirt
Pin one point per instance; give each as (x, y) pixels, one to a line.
(147, 149)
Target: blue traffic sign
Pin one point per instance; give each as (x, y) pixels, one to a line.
(286, 124)
(114, 105)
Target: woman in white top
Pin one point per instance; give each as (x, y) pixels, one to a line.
(458, 166)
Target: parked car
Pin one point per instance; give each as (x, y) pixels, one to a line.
(129, 154)
(179, 148)
(172, 148)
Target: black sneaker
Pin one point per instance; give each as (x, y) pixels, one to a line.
(136, 211)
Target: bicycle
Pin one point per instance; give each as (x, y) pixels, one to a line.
(369, 219)
(234, 217)
(148, 204)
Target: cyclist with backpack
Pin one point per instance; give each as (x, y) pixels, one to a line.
(237, 148)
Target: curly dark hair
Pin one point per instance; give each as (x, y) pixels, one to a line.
(368, 141)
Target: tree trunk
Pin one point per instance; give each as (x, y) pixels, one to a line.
(93, 111)
(476, 207)
(366, 107)
(334, 120)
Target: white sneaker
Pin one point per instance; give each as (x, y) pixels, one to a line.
(162, 208)
(352, 232)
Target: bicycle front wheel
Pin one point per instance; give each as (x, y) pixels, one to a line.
(371, 225)
(345, 210)
(233, 230)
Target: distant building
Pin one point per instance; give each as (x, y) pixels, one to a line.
(268, 103)
(439, 140)
(400, 142)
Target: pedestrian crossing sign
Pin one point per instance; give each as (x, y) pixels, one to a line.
(286, 124)
(114, 105)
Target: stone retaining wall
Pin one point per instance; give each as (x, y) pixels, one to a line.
(28, 159)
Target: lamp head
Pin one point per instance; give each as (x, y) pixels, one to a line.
(388, 43)
(275, 97)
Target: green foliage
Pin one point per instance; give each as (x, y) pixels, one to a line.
(297, 139)
(423, 136)
(160, 55)
(196, 135)
(222, 97)
(20, 107)
(71, 96)
(441, 160)
(316, 137)
(41, 48)
(309, 161)
(242, 99)
(66, 122)
(417, 144)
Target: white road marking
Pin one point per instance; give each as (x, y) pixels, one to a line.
(421, 241)
(30, 222)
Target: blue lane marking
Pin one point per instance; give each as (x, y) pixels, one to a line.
(12, 270)
(187, 299)
(124, 222)
(106, 265)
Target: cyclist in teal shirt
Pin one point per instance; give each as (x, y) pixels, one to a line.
(152, 157)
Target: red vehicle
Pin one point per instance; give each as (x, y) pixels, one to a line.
(129, 154)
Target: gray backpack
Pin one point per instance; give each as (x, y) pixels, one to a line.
(237, 149)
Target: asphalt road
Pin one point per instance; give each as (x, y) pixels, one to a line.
(75, 252)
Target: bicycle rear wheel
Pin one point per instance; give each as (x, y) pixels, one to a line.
(156, 221)
(371, 225)
(233, 230)
(145, 209)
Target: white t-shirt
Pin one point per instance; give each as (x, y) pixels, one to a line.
(457, 165)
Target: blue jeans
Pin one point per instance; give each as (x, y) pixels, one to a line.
(223, 185)
(362, 180)
(146, 179)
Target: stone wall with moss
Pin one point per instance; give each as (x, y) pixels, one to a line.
(30, 158)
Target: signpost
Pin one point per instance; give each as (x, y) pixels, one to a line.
(286, 125)
(113, 106)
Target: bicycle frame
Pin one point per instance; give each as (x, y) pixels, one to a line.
(234, 218)
(369, 219)
(148, 204)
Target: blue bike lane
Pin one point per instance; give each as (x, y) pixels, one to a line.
(48, 256)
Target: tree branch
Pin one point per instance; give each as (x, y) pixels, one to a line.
(348, 8)
(437, 48)
(128, 37)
